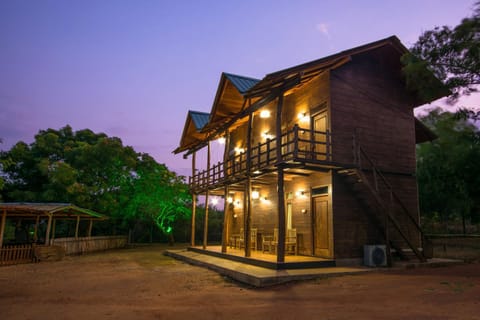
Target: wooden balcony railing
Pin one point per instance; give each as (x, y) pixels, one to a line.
(298, 145)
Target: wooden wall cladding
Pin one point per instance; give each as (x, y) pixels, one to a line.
(366, 96)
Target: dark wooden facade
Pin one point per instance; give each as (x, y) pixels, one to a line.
(335, 139)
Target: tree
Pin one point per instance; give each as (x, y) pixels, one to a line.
(452, 54)
(93, 171)
(447, 169)
(158, 195)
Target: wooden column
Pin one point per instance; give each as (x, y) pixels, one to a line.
(280, 184)
(225, 221)
(194, 202)
(76, 227)
(2, 226)
(248, 190)
(47, 233)
(35, 231)
(226, 214)
(52, 236)
(205, 224)
(90, 227)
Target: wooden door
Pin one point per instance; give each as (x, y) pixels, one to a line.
(319, 127)
(321, 229)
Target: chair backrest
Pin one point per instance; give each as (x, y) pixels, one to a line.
(253, 234)
(292, 235)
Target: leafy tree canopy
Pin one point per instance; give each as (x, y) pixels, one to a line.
(452, 54)
(93, 171)
(447, 169)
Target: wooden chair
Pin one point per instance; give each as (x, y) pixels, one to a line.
(269, 242)
(291, 241)
(253, 239)
(234, 239)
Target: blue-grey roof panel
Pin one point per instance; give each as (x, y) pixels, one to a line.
(243, 84)
(200, 119)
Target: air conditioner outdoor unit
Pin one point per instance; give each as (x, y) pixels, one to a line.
(375, 255)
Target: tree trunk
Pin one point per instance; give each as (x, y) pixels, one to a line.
(171, 240)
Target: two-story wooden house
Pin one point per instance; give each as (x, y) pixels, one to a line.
(319, 158)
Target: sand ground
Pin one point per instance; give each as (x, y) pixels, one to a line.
(142, 283)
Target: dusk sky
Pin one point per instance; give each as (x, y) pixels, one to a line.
(133, 69)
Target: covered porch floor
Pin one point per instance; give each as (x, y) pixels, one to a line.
(251, 270)
(265, 260)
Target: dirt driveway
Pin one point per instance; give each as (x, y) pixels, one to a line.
(141, 283)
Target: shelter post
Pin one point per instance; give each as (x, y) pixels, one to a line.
(90, 227)
(76, 227)
(2, 226)
(54, 226)
(194, 203)
(49, 226)
(35, 231)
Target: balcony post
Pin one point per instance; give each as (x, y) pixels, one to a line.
(194, 203)
(226, 214)
(280, 185)
(295, 141)
(205, 223)
(248, 188)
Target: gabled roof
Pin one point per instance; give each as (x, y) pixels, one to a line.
(243, 84)
(192, 135)
(58, 210)
(229, 99)
(200, 119)
(229, 104)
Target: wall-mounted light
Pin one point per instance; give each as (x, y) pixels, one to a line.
(267, 135)
(229, 199)
(265, 114)
(239, 150)
(214, 201)
(255, 194)
(264, 199)
(301, 193)
(237, 203)
(304, 211)
(221, 140)
(303, 117)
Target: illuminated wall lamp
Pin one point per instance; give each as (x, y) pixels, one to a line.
(267, 136)
(229, 199)
(255, 194)
(303, 116)
(239, 150)
(265, 114)
(214, 201)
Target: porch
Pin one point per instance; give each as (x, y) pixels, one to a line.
(254, 275)
(265, 260)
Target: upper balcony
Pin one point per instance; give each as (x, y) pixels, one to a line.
(299, 146)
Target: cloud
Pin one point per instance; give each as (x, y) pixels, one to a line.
(323, 29)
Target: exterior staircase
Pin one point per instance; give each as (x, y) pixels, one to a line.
(385, 209)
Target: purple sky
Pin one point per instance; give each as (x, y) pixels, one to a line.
(132, 69)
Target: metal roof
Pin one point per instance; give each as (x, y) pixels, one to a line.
(200, 119)
(55, 209)
(243, 84)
